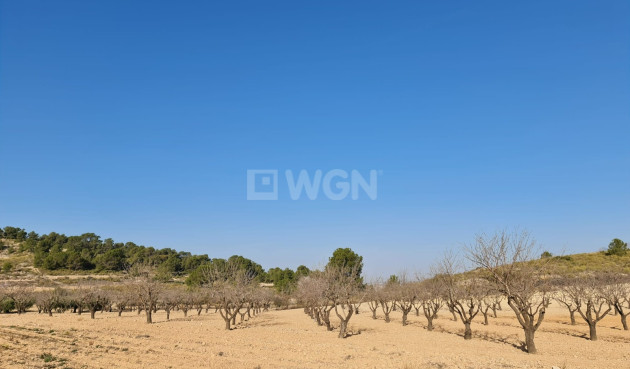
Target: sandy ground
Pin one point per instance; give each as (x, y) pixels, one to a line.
(290, 339)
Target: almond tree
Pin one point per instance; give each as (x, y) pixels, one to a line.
(325, 303)
(496, 304)
(146, 289)
(22, 296)
(49, 300)
(168, 301)
(229, 288)
(430, 297)
(310, 291)
(618, 295)
(505, 258)
(386, 300)
(372, 300)
(563, 297)
(185, 301)
(485, 307)
(405, 294)
(589, 296)
(344, 285)
(93, 298)
(122, 298)
(463, 294)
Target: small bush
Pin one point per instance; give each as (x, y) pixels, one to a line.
(47, 357)
(7, 305)
(7, 267)
(545, 255)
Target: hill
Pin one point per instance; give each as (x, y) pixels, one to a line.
(27, 255)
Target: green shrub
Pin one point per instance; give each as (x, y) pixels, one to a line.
(47, 357)
(7, 266)
(617, 247)
(545, 255)
(7, 305)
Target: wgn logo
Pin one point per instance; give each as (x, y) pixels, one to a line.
(336, 184)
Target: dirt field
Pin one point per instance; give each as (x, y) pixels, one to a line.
(289, 339)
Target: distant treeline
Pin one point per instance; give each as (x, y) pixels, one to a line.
(88, 252)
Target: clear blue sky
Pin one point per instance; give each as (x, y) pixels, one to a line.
(138, 121)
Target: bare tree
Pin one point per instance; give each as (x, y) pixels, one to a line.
(22, 296)
(49, 300)
(146, 289)
(93, 298)
(463, 294)
(344, 285)
(496, 304)
(618, 295)
(485, 307)
(122, 298)
(589, 296)
(230, 289)
(505, 258)
(169, 300)
(430, 297)
(405, 294)
(372, 300)
(310, 291)
(386, 299)
(563, 297)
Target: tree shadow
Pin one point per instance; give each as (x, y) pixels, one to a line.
(486, 336)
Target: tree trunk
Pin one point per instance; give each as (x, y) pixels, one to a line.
(318, 318)
(530, 346)
(92, 312)
(454, 316)
(404, 317)
(592, 327)
(417, 311)
(624, 322)
(149, 320)
(572, 314)
(326, 318)
(467, 331)
(168, 314)
(343, 327)
(430, 324)
(227, 323)
(485, 318)
(374, 314)
(387, 318)
(50, 313)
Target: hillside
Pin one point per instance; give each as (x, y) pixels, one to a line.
(29, 256)
(591, 262)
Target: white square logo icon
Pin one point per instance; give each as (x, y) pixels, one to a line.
(262, 184)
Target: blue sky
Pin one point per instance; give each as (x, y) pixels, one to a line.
(139, 120)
